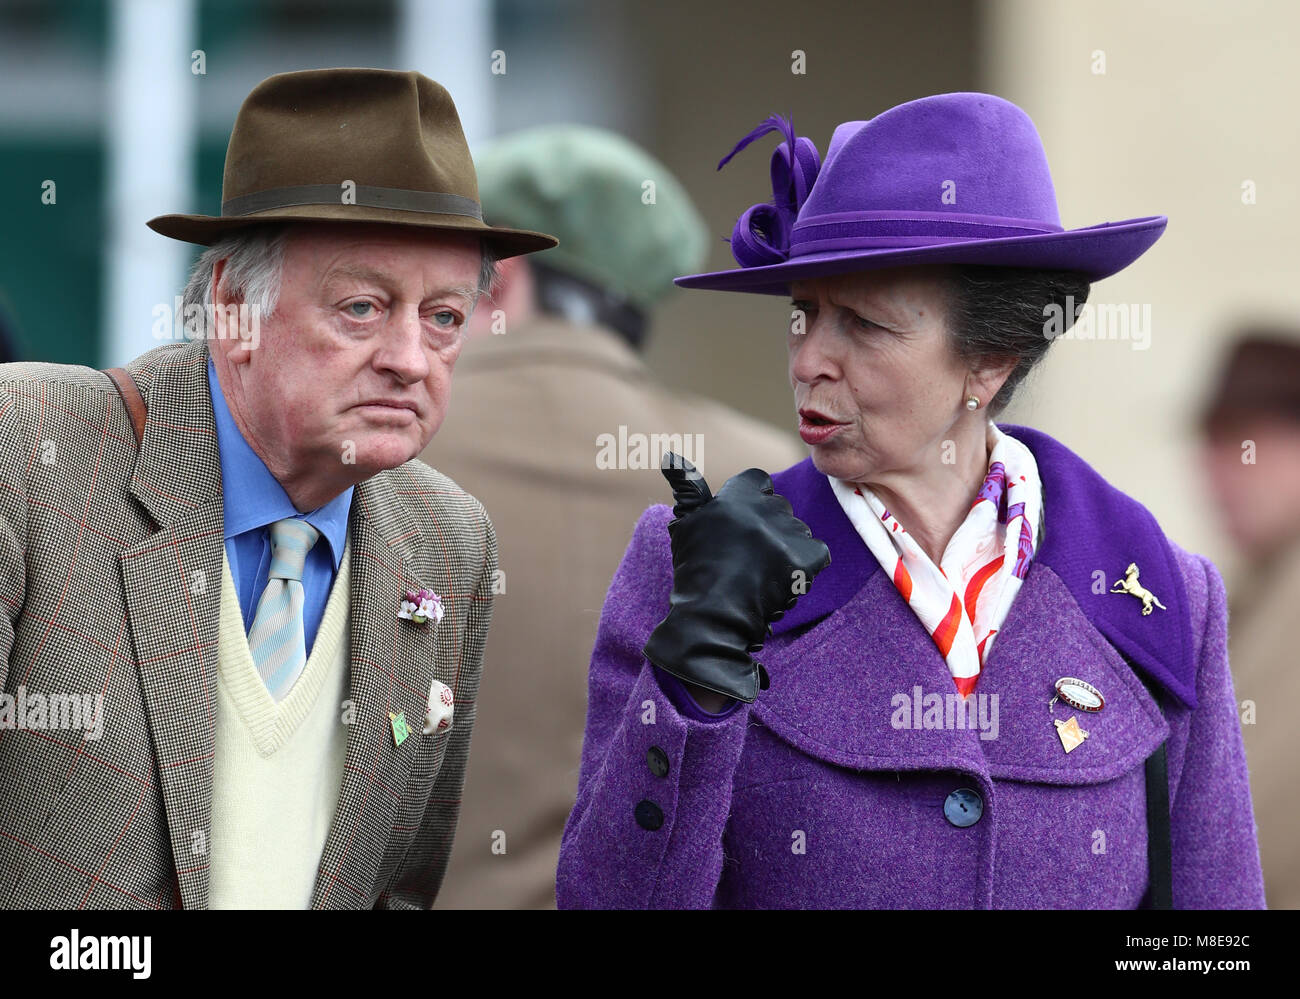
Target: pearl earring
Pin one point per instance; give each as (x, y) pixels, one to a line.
(972, 402)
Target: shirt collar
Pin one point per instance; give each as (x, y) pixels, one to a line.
(262, 500)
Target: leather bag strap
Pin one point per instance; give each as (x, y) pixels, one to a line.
(135, 406)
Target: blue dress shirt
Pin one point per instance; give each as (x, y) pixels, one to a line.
(253, 501)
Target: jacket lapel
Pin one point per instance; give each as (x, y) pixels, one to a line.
(171, 583)
(1092, 531)
(852, 690)
(1047, 637)
(392, 665)
(866, 688)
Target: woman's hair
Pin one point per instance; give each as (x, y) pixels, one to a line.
(998, 313)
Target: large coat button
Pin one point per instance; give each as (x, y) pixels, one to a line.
(658, 761)
(963, 807)
(649, 815)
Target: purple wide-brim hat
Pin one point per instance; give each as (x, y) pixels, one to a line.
(952, 179)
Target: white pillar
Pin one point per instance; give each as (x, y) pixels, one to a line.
(149, 142)
(451, 41)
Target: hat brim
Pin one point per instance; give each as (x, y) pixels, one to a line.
(208, 229)
(1096, 252)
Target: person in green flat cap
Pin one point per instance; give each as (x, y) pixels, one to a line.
(559, 428)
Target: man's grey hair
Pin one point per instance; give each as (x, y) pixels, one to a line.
(255, 265)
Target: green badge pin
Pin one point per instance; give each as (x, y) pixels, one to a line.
(400, 731)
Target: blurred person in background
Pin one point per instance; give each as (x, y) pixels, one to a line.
(1251, 457)
(554, 365)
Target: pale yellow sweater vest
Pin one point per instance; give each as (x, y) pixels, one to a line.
(278, 767)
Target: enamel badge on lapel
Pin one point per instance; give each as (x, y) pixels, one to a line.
(1071, 735)
(400, 730)
(1081, 696)
(1130, 584)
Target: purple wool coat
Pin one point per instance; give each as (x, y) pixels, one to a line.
(835, 788)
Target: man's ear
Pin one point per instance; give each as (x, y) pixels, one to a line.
(508, 274)
(225, 332)
(511, 293)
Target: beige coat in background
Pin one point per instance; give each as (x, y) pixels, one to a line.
(1264, 650)
(526, 410)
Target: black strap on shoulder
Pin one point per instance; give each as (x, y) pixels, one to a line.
(1160, 859)
(1160, 853)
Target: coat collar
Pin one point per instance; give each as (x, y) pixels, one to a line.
(548, 339)
(1092, 531)
(866, 688)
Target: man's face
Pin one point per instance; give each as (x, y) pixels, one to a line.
(354, 365)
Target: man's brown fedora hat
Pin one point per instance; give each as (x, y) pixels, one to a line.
(349, 145)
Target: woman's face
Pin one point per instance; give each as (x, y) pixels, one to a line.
(876, 385)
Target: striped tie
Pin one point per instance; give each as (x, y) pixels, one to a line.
(276, 639)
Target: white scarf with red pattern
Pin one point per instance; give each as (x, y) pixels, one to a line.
(963, 601)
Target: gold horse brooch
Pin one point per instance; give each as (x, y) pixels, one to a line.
(1130, 584)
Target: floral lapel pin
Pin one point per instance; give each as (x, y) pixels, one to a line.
(420, 606)
(438, 717)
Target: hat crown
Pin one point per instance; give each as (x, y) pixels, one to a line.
(956, 179)
(355, 146)
(959, 154)
(374, 127)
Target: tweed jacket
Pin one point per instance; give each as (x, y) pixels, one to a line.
(823, 793)
(110, 583)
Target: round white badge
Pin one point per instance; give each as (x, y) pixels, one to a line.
(1079, 694)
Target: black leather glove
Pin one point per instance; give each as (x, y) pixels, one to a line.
(735, 558)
